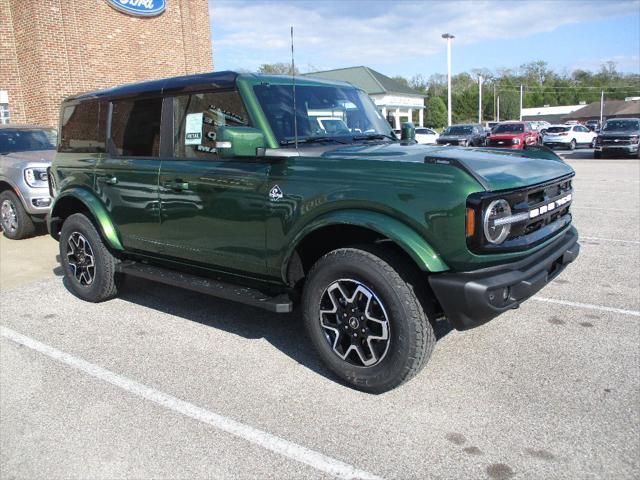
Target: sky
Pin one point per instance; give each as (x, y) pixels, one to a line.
(403, 37)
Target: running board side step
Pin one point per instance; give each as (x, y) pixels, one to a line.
(216, 288)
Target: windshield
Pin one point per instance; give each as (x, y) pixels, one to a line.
(27, 140)
(621, 125)
(321, 111)
(558, 129)
(509, 128)
(458, 130)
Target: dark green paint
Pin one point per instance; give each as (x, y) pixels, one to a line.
(218, 213)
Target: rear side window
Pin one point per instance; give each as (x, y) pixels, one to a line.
(135, 127)
(197, 118)
(81, 128)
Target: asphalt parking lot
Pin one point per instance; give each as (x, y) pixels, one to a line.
(165, 383)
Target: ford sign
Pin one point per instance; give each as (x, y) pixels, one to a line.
(140, 8)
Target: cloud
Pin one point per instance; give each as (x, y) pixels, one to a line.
(332, 34)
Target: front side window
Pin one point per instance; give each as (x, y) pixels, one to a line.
(135, 127)
(81, 129)
(343, 114)
(196, 119)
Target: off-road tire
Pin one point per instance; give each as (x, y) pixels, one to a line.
(25, 226)
(103, 286)
(398, 285)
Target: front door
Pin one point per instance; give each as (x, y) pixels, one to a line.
(127, 178)
(213, 210)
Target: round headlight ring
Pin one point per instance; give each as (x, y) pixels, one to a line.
(496, 210)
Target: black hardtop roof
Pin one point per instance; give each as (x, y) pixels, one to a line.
(189, 83)
(225, 79)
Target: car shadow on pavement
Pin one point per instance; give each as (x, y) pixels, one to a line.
(284, 331)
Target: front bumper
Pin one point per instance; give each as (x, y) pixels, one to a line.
(470, 299)
(620, 149)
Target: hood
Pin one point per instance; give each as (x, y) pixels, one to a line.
(505, 136)
(619, 133)
(455, 137)
(41, 156)
(494, 169)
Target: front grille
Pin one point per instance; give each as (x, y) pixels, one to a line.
(616, 141)
(493, 142)
(532, 203)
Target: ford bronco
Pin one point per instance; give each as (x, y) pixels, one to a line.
(278, 192)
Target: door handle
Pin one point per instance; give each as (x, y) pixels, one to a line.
(109, 179)
(177, 185)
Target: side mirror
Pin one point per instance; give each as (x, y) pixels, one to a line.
(408, 132)
(239, 141)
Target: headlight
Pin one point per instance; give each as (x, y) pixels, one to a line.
(36, 177)
(495, 231)
(515, 141)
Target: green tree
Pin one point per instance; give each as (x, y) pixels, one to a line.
(436, 115)
(279, 68)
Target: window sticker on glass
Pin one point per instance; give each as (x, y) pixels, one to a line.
(193, 129)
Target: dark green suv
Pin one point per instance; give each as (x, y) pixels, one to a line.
(277, 193)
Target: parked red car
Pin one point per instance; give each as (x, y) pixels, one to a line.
(513, 135)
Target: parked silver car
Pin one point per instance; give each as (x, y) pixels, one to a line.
(25, 154)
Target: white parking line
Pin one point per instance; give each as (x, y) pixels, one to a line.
(627, 210)
(610, 240)
(589, 306)
(266, 440)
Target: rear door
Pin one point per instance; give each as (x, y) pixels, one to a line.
(127, 178)
(212, 209)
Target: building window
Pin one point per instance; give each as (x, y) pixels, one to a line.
(197, 118)
(135, 127)
(81, 129)
(4, 113)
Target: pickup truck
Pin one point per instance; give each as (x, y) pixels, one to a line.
(227, 184)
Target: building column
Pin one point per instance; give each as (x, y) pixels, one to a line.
(410, 114)
(421, 117)
(397, 119)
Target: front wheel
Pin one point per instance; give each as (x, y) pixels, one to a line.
(364, 318)
(16, 222)
(593, 143)
(89, 267)
(572, 145)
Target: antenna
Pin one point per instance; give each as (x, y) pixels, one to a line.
(295, 111)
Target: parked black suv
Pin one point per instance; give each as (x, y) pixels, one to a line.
(619, 136)
(471, 135)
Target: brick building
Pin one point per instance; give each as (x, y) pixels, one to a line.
(50, 49)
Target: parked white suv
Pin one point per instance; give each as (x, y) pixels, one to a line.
(569, 136)
(424, 135)
(25, 154)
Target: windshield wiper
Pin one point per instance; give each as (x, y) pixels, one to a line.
(374, 136)
(292, 141)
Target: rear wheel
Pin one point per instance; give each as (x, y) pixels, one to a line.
(364, 318)
(88, 265)
(16, 222)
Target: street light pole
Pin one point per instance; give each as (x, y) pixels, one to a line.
(448, 37)
(480, 99)
(521, 95)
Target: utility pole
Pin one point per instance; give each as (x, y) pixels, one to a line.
(448, 37)
(494, 102)
(480, 99)
(601, 106)
(498, 109)
(521, 94)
